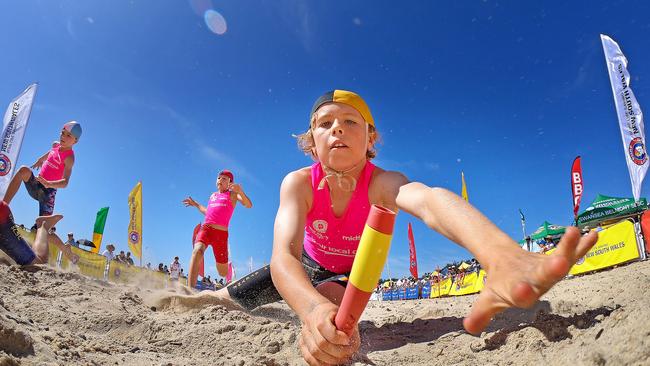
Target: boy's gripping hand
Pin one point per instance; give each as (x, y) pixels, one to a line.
(321, 343)
(517, 278)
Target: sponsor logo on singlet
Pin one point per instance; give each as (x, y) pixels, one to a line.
(351, 237)
(320, 226)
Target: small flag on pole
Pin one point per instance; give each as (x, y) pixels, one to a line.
(135, 221)
(464, 187)
(413, 259)
(523, 226)
(98, 230)
(577, 186)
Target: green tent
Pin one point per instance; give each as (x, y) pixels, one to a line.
(547, 229)
(605, 208)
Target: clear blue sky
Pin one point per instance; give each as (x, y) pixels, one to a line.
(508, 92)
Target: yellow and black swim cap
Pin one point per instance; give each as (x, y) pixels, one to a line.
(346, 97)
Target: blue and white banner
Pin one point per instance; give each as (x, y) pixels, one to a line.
(13, 131)
(630, 117)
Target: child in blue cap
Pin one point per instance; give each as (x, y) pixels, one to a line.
(55, 169)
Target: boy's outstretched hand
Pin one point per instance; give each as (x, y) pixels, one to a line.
(189, 201)
(517, 278)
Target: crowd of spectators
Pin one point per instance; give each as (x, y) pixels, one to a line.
(541, 245)
(546, 244)
(454, 270)
(109, 253)
(174, 270)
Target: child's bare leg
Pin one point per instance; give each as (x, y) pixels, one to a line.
(222, 269)
(519, 278)
(195, 263)
(22, 175)
(202, 299)
(40, 247)
(50, 221)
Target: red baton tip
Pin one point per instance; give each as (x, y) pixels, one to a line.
(381, 219)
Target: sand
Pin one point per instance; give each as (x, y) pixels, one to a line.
(50, 317)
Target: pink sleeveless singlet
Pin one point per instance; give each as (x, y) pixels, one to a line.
(332, 241)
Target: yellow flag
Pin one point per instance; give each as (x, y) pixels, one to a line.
(135, 221)
(464, 189)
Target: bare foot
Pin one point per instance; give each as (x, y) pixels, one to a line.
(517, 278)
(48, 221)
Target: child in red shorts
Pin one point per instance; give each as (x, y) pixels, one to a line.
(214, 231)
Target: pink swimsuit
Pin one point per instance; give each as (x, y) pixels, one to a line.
(220, 209)
(53, 168)
(332, 241)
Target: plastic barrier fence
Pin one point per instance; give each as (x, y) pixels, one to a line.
(441, 288)
(411, 293)
(616, 244)
(89, 264)
(53, 255)
(97, 266)
(465, 285)
(471, 283)
(426, 291)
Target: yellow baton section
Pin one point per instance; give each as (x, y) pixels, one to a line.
(370, 259)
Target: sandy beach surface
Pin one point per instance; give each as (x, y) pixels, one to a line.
(50, 317)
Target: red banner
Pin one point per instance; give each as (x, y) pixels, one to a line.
(576, 185)
(413, 259)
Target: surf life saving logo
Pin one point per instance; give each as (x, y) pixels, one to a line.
(5, 165)
(320, 226)
(637, 151)
(134, 237)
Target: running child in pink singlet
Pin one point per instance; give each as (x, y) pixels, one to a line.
(214, 230)
(55, 170)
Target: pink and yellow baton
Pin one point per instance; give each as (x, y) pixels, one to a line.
(367, 266)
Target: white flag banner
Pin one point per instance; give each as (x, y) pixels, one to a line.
(630, 117)
(13, 131)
